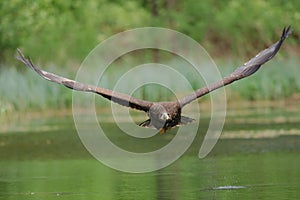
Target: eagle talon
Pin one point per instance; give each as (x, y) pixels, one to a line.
(162, 131)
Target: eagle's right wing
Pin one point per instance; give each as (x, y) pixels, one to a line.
(120, 98)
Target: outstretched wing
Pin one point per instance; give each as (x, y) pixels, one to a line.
(120, 98)
(245, 70)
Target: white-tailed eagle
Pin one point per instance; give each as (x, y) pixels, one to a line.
(164, 115)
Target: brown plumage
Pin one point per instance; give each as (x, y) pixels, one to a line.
(164, 115)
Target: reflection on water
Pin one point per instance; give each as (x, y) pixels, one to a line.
(53, 163)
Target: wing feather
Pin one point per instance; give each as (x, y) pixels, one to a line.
(117, 97)
(245, 70)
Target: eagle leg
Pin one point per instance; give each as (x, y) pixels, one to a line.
(146, 124)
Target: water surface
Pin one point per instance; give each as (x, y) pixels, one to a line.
(52, 163)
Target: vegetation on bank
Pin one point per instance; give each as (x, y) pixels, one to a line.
(62, 33)
(24, 90)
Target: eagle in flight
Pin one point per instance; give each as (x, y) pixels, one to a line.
(163, 115)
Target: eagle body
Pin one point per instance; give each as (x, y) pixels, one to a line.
(165, 115)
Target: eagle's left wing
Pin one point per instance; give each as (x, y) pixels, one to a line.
(245, 70)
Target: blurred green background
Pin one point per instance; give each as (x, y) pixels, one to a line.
(58, 35)
(41, 154)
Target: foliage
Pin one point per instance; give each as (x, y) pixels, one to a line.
(68, 30)
(239, 27)
(63, 32)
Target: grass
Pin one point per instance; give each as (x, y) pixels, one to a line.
(23, 90)
(276, 80)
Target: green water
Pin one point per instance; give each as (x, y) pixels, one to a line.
(264, 176)
(53, 164)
